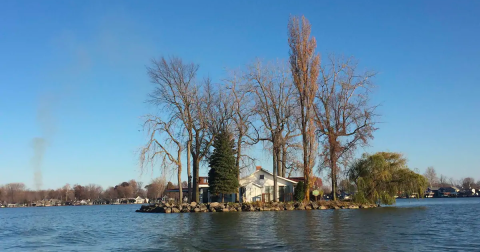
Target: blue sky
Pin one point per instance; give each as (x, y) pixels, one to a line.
(73, 72)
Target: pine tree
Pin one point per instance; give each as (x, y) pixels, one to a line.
(222, 177)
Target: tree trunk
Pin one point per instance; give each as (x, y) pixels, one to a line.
(284, 160)
(196, 180)
(279, 161)
(237, 164)
(333, 166)
(189, 172)
(180, 191)
(274, 172)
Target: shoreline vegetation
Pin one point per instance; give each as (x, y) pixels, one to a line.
(171, 207)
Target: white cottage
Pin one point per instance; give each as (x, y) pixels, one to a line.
(258, 186)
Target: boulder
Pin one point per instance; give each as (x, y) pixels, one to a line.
(289, 206)
(314, 205)
(202, 207)
(322, 208)
(214, 204)
(219, 207)
(353, 207)
(193, 204)
(168, 210)
(299, 206)
(308, 207)
(175, 210)
(336, 207)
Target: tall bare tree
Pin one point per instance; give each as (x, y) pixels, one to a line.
(204, 128)
(274, 102)
(168, 148)
(240, 100)
(431, 176)
(304, 65)
(176, 91)
(343, 115)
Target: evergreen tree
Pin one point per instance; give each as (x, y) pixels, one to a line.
(299, 191)
(222, 177)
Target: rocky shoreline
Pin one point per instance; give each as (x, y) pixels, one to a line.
(249, 207)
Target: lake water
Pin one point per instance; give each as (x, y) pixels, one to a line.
(411, 225)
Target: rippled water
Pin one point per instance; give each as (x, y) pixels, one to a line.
(412, 225)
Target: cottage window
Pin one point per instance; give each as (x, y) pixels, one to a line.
(262, 176)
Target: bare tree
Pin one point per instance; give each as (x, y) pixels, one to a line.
(304, 65)
(274, 102)
(242, 108)
(14, 192)
(176, 91)
(468, 182)
(168, 149)
(431, 175)
(156, 188)
(204, 129)
(343, 116)
(443, 181)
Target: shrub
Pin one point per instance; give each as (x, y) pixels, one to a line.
(299, 191)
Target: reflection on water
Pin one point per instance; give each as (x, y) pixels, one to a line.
(411, 225)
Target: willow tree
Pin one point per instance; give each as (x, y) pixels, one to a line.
(164, 144)
(381, 176)
(343, 115)
(304, 66)
(175, 92)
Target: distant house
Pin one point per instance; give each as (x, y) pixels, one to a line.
(450, 191)
(139, 200)
(432, 192)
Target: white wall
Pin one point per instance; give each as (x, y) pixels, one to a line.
(254, 192)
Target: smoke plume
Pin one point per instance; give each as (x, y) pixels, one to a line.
(39, 144)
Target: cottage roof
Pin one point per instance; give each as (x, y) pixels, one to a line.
(265, 171)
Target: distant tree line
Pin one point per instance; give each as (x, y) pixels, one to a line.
(441, 180)
(18, 193)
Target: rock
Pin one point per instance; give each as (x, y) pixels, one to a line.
(212, 209)
(336, 207)
(214, 204)
(175, 210)
(314, 205)
(322, 208)
(289, 207)
(168, 210)
(203, 207)
(267, 209)
(219, 207)
(353, 207)
(193, 204)
(299, 206)
(308, 207)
